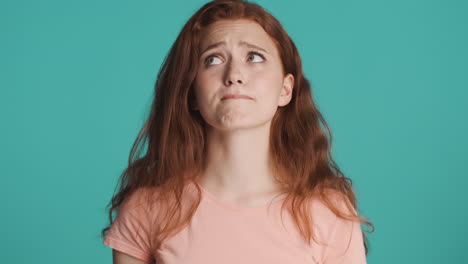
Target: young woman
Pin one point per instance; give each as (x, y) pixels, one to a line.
(238, 168)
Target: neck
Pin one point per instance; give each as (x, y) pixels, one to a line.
(237, 162)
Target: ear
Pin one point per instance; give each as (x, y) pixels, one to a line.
(286, 90)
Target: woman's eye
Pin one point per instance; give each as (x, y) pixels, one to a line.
(252, 54)
(209, 59)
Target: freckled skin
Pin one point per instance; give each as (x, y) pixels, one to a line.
(235, 69)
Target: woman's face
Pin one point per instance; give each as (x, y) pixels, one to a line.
(238, 57)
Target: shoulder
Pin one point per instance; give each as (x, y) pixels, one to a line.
(335, 202)
(327, 208)
(140, 201)
(136, 197)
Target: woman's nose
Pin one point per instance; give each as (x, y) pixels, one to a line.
(233, 74)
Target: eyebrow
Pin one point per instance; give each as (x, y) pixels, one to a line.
(241, 43)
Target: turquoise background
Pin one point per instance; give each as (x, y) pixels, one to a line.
(76, 83)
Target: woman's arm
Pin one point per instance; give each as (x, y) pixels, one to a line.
(122, 258)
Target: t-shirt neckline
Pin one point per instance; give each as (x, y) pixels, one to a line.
(213, 199)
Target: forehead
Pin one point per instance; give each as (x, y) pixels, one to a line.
(234, 31)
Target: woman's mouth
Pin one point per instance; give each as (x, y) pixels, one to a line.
(236, 96)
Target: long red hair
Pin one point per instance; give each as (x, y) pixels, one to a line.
(174, 137)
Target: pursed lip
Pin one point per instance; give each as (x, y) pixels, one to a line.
(236, 96)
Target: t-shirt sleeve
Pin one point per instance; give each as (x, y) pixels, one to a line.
(130, 231)
(345, 243)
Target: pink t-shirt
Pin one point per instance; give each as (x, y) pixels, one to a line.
(221, 233)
